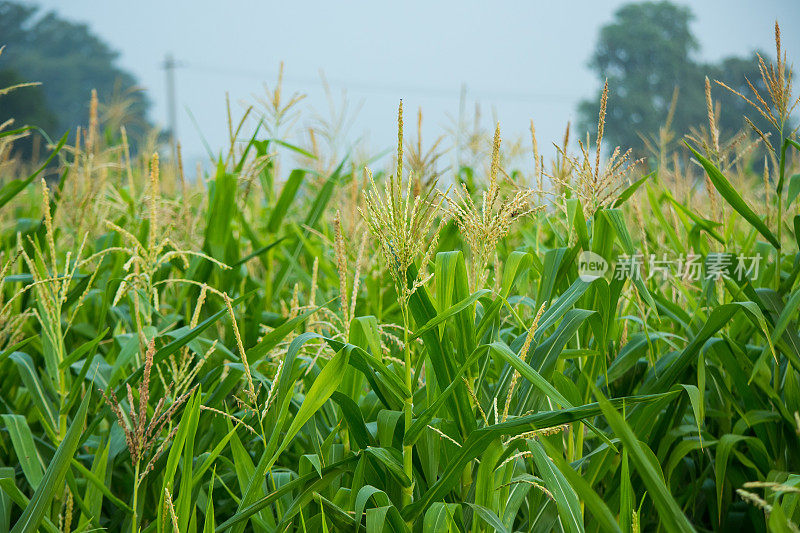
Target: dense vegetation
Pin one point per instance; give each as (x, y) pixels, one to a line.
(648, 55)
(69, 61)
(330, 349)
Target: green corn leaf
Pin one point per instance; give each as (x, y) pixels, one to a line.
(53, 479)
(27, 454)
(601, 514)
(308, 481)
(668, 509)
(324, 386)
(479, 439)
(11, 493)
(728, 192)
(449, 312)
(285, 199)
(186, 425)
(355, 421)
(40, 398)
(93, 496)
(439, 519)
(725, 447)
(793, 189)
(569, 507)
(99, 483)
(14, 187)
(312, 218)
(631, 189)
(209, 524)
(489, 517)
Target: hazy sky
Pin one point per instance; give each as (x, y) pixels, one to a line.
(519, 60)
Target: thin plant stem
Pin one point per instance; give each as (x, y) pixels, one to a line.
(408, 406)
(782, 172)
(135, 519)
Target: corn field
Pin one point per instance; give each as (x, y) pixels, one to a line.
(527, 339)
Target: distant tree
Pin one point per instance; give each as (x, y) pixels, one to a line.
(27, 106)
(734, 72)
(69, 61)
(645, 53)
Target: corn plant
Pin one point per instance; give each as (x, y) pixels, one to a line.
(293, 341)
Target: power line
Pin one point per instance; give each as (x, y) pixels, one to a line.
(169, 67)
(361, 86)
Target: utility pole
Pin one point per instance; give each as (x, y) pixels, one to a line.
(169, 66)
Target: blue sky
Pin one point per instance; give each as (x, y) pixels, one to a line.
(519, 60)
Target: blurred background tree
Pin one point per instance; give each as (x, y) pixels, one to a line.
(29, 103)
(69, 61)
(645, 53)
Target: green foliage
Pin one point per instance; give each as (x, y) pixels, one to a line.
(69, 61)
(648, 52)
(27, 106)
(236, 355)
